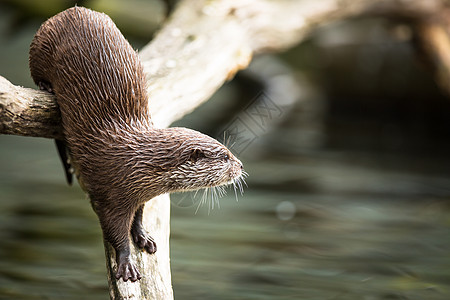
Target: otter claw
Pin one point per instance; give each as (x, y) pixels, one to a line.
(127, 270)
(45, 86)
(143, 240)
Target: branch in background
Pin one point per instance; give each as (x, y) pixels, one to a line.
(433, 37)
(203, 44)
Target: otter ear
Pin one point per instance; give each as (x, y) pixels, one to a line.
(196, 154)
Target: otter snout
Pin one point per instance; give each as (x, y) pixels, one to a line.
(236, 169)
(203, 161)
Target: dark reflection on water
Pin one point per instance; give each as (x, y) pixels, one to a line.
(50, 241)
(335, 244)
(324, 225)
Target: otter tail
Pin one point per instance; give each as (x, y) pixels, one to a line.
(63, 154)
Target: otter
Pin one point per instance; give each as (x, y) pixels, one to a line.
(120, 158)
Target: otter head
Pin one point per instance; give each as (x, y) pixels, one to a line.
(189, 160)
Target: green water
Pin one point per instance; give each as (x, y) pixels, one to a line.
(357, 232)
(321, 228)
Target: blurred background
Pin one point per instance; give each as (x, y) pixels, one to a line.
(346, 145)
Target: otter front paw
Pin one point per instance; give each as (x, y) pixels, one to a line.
(143, 240)
(45, 86)
(127, 270)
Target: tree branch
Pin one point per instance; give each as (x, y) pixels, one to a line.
(203, 44)
(156, 281)
(28, 112)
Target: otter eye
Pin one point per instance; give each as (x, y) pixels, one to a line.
(196, 154)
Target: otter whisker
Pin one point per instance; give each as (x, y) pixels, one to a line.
(181, 200)
(241, 187)
(202, 200)
(222, 191)
(230, 139)
(211, 200)
(212, 195)
(225, 142)
(227, 139)
(214, 198)
(195, 194)
(245, 182)
(205, 196)
(218, 196)
(235, 190)
(238, 185)
(242, 178)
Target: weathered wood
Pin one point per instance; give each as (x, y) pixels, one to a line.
(28, 112)
(156, 281)
(203, 44)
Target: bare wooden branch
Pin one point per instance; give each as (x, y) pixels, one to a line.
(203, 44)
(28, 112)
(156, 282)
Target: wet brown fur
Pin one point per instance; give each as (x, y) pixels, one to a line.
(121, 159)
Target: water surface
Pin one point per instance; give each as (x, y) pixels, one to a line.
(312, 227)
